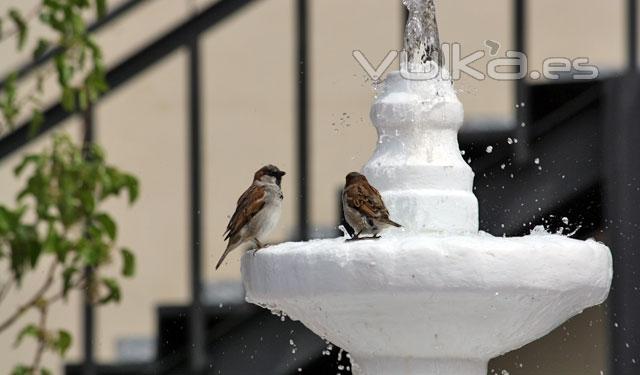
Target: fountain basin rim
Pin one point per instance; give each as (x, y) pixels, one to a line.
(421, 263)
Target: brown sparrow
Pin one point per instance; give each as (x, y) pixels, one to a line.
(363, 207)
(258, 211)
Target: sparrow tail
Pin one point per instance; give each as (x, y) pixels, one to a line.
(232, 245)
(393, 223)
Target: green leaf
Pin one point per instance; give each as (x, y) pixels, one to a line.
(53, 4)
(113, 291)
(107, 223)
(67, 279)
(83, 99)
(8, 102)
(65, 72)
(62, 342)
(20, 25)
(94, 254)
(128, 262)
(45, 371)
(78, 24)
(21, 370)
(30, 330)
(37, 119)
(101, 8)
(52, 240)
(25, 248)
(133, 187)
(5, 225)
(68, 99)
(29, 159)
(41, 48)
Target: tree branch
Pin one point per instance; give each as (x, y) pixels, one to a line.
(42, 339)
(34, 300)
(58, 296)
(4, 290)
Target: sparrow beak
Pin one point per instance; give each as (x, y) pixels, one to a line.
(281, 173)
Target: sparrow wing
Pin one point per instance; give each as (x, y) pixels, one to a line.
(249, 204)
(367, 200)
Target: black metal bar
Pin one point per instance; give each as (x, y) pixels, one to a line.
(119, 11)
(197, 348)
(632, 30)
(622, 219)
(302, 69)
(88, 311)
(125, 71)
(521, 148)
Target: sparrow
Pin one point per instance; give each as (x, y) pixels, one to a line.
(258, 211)
(363, 207)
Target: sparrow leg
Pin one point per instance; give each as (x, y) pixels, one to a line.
(368, 238)
(259, 246)
(355, 237)
(375, 236)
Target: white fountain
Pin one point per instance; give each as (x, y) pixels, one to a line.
(437, 297)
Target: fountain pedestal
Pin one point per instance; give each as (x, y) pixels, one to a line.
(428, 304)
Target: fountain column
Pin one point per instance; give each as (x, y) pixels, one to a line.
(417, 165)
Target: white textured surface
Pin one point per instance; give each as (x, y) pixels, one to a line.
(418, 296)
(417, 166)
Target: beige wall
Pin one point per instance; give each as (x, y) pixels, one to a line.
(249, 121)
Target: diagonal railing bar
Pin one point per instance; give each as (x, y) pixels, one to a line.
(130, 68)
(118, 12)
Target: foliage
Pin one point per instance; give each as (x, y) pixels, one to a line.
(59, 220)
(77, 59)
